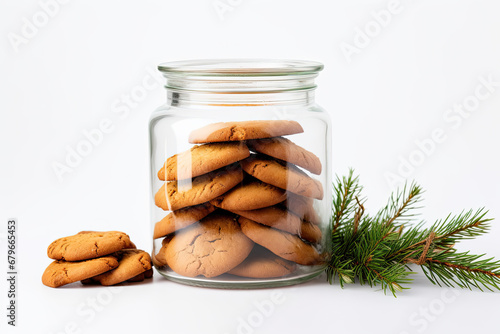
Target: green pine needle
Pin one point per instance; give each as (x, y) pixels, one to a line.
(377, 250)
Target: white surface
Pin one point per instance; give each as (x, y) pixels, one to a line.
(73, 73)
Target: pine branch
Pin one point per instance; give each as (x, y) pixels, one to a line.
(391, 277)
(409, 243)
(464, 226)
(376, 250)
(345, 192)
(341, 269)
(463, 269)
(400, 205)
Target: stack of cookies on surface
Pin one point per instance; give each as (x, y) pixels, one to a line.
(105, 258)
(240, 203)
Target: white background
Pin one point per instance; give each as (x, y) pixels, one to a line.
(77, 68)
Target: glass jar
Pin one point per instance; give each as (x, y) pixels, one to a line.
(240, 174)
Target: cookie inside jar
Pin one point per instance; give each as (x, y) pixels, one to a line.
(248, 213)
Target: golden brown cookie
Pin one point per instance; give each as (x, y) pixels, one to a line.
(174, 195)
(286, 150)
(128, 245)
(181, 218)
(250, 196)
(262, 263)
(302, 207)
(59, 272)
(236, 131)
(202, 159)
(88, 245)
(283, 244)
(284, 176)
(281, 219)
(210, 248)
(131, 262)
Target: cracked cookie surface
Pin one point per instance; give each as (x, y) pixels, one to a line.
(88, 245)
(210, 248)
(175, 195)
(202, 159)
(235, 131)
(60, 273)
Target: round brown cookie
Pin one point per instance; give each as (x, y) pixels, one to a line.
(202, 159)
(262, 263)
(283, 244)
(281, 219)
(236, 131)
(181, 218)
(250, 196)
(210, 248)
(131, 262)
(174, 196)
(281, 175)
(286, 150)
(302, 207)
(88, 245)
(60, 273)
(130, 244)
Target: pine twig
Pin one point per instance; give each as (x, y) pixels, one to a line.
(400, 204)
(376, 250)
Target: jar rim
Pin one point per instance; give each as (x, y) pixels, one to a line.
(240, 67)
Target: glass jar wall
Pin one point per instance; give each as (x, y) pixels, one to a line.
(240, 174)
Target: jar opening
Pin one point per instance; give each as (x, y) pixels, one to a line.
(240, 67)
(240, 81)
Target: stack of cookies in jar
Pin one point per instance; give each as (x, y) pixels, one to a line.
(239, 202)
